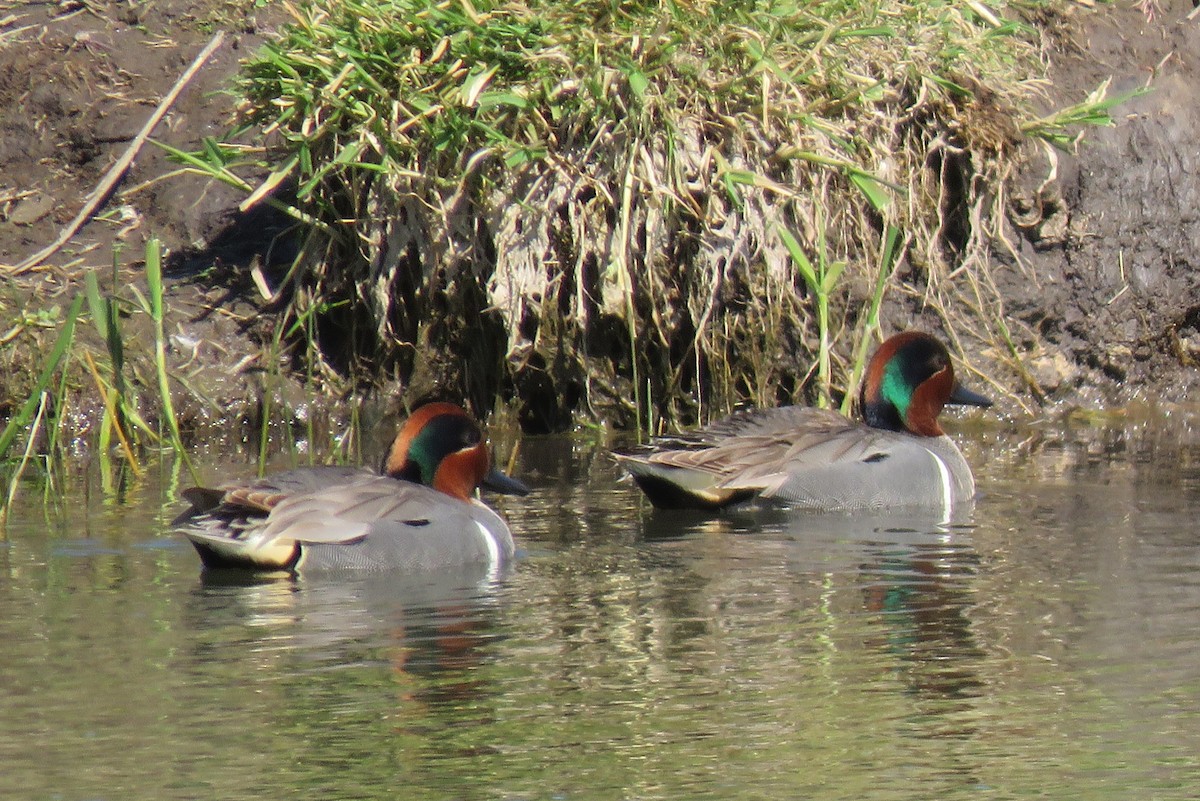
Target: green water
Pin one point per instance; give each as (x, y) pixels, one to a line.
(1045, 646)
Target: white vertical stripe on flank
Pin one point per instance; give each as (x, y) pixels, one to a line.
(493, 550)
(947, 487)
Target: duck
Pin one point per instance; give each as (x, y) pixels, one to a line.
(896, 457)
(420, 512)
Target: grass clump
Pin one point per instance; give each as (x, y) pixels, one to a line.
(52, 410)
(607, 207)
(110, 389)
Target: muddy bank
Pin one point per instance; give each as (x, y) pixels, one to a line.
(1109, 238)
(1092, 255)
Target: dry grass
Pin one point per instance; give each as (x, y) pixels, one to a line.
(581, 205)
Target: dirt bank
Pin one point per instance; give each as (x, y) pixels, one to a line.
(1103, 300)
(77, 83)
(1111, 236)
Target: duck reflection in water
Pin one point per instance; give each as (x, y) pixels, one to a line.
(922, 595)
(915, 578)
(424, 638)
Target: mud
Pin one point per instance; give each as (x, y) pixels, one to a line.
(77, 82)
(1113, 240)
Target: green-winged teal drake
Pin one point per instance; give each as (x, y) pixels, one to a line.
(818, 459)
(421, 513)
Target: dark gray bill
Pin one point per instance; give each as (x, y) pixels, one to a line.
(505, 485)
(965, 397)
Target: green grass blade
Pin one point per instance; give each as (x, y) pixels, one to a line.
(832, 273)
(97, 306)
(799, 257)
(871, 189)
(155, 284)
(57, 354)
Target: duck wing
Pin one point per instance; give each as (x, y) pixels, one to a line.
(262, 494)
(821, 460)
(232, 525)
(382, 523)
(349, 512)
(759, 442)
(751, 453)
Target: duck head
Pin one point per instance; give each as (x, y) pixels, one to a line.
(441, 446)
(908, 381)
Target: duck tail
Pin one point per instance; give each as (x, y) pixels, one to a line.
(218, 551)
(671, 487)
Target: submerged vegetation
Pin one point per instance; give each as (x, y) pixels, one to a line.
(642, 213)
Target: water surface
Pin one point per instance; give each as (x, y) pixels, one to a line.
(1043, 645)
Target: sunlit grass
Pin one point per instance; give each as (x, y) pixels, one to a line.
(434, 90)
(584, 162)
(812, 119)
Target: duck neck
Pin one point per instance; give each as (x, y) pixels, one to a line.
(885, 401)
(460, 473)
(409, 471)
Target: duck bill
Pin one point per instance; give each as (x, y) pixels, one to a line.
(965, 397)
(497, 481)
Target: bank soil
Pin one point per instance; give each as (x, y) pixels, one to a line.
(1095, 261)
